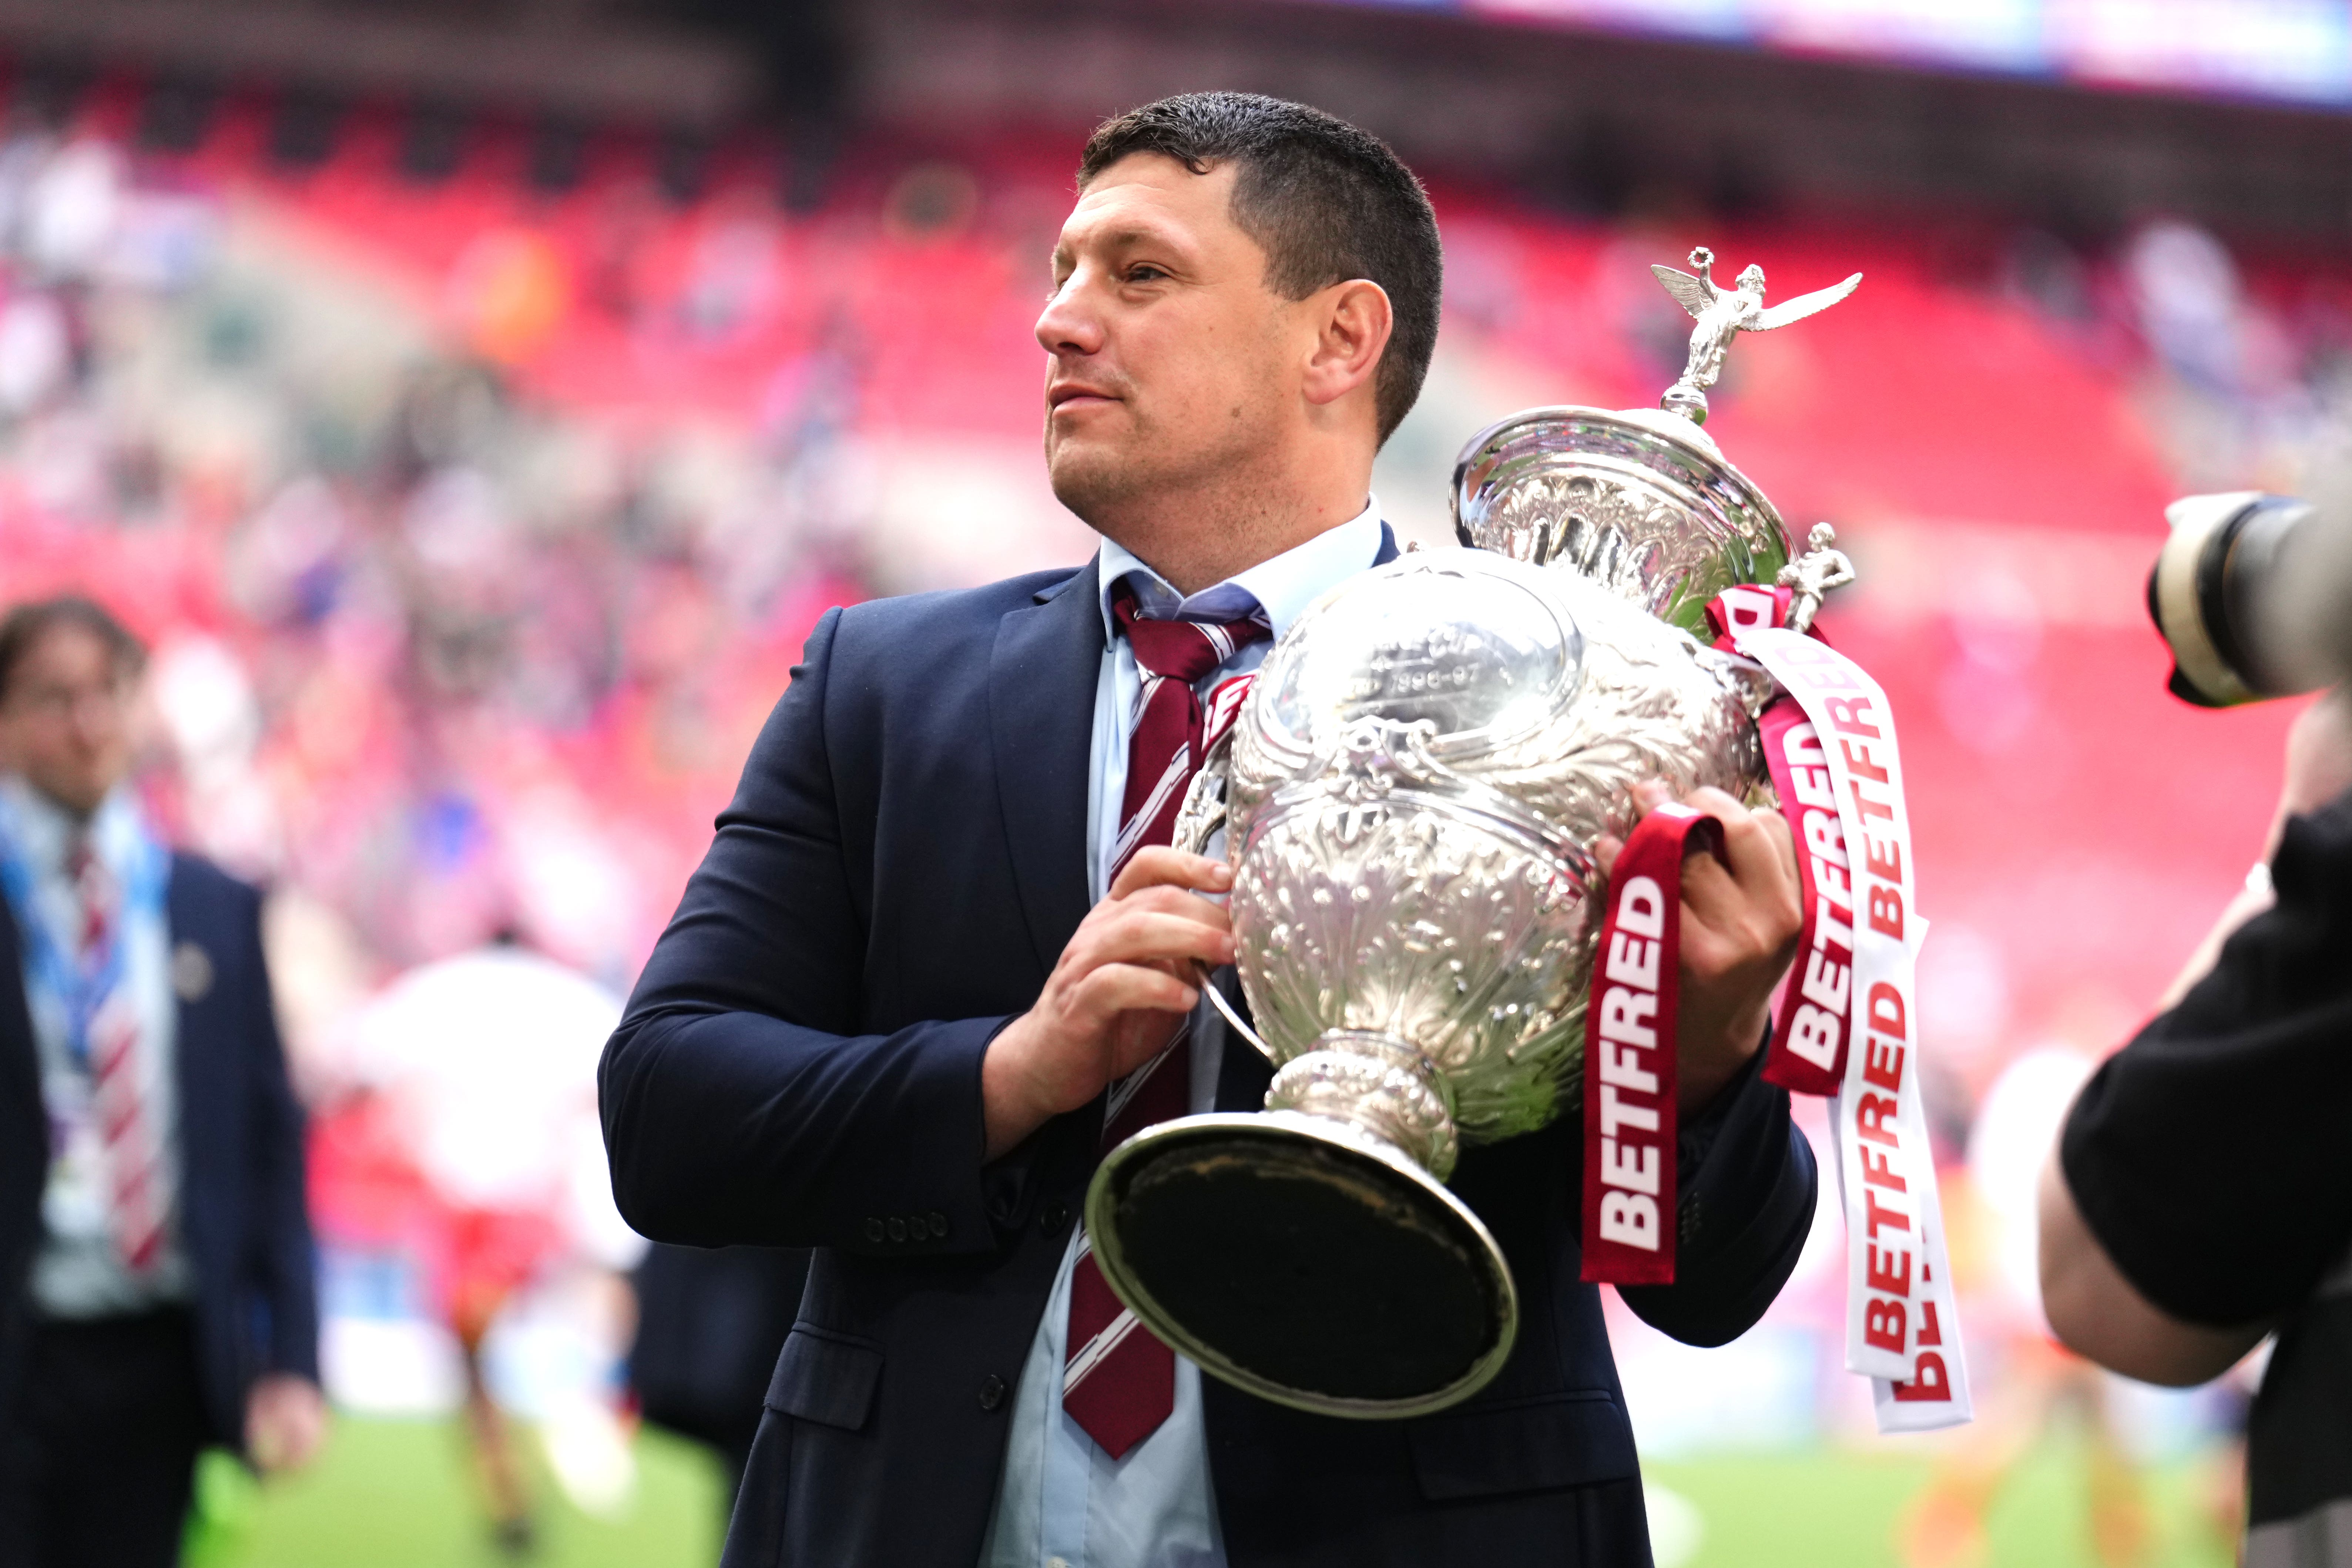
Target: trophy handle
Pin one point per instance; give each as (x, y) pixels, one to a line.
(1197, 822)
(1204, 811)
(1233, 1022)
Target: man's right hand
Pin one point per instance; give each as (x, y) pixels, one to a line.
(1123, 985)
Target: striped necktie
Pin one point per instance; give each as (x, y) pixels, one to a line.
(116, 1093)
(1118, 1383)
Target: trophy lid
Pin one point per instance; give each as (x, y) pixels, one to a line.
(1639, 500)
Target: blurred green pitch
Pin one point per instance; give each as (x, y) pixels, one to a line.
(397, 1494)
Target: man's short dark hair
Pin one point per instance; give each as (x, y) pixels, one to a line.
(23, 627)
(1326, 202)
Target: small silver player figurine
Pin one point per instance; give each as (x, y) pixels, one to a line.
(1821, 568)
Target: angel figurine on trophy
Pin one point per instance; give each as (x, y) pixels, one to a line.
(1722, 315)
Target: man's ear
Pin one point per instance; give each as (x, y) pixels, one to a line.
(1352, 322)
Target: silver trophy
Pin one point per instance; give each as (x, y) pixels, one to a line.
(1410, 800)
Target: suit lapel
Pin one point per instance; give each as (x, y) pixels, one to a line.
(1041, 700)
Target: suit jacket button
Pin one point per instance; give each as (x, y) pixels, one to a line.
(991, 1391)
(939, 1225)
(1054, 1218)
(898, 1228)
(873, 1228)
(918, 1228)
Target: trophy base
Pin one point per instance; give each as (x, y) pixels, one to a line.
(1303, 1260)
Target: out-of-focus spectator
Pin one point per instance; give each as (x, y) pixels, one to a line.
(482, 1069)
(156, 1275)
(710, 1323)
(2036, 1382)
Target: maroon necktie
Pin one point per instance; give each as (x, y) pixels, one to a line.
(1118, 1383)
(115, 1090)
(1163, 750)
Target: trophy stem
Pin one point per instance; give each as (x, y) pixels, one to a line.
(1378, 1084)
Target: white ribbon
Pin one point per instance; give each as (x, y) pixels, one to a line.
(1902, 1329)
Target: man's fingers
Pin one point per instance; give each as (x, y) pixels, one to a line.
(1166, 900)
(1116, 988)
(1605, 851)
(1748, 895)
(1760, 858)
(1161, 866)
(1145, 936)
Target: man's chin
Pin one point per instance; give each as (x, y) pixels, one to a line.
(1093, 480)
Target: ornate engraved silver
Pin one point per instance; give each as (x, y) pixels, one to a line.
(1412, 797)
(1414, 791)
(1637, 501)
(1447, 734)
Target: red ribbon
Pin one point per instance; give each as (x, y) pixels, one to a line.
(1630, 1065)
(1807, 1054)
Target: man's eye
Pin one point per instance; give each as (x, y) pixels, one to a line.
(1145, 273)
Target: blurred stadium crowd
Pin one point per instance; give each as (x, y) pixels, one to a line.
(477, 489)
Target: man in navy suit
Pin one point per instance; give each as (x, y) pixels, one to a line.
(156, 1278)
(941, 921)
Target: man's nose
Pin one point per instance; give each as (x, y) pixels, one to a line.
(97, 717)
(1068, 325)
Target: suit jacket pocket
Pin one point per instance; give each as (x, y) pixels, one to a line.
(825, 1377)
(1528, 1445)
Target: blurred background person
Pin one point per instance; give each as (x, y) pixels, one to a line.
(156, 1274)
(710, 1322)
(482, 1067)
(2035, 1388)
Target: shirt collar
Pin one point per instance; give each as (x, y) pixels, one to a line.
(43, 828)
(1283, 588)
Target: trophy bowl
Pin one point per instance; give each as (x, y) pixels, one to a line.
(1638, 501)
(1414, 791)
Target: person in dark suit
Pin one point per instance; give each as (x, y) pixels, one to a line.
(941, 931)
(157, 1287)
(710, 1322)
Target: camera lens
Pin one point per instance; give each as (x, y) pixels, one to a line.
(2219, 591)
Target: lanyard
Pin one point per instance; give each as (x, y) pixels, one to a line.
(82, 984)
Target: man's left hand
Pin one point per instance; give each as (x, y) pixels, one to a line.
(285, 1421)
(1740, 919)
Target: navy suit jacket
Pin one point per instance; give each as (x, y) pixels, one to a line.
(243, 1219)
(800, 1066)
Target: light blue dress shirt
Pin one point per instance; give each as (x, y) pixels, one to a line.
(78, 1271)
(1062, 1502)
